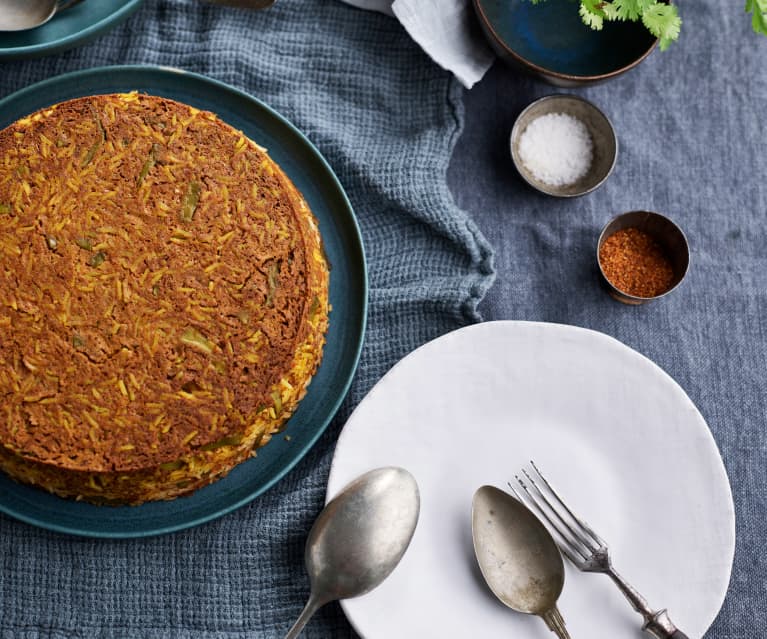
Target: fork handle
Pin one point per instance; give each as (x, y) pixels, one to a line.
(658, 624)
(661, 626)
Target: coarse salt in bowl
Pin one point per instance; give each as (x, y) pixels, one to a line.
(557, 149)
(563, 145)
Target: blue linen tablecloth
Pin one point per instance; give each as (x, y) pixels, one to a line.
(386, 119)
(689, 123)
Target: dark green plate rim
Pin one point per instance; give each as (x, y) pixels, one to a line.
(313, 176)
(80, 26)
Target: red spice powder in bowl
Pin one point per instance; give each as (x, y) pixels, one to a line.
(642, 256)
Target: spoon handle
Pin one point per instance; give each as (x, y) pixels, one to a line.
(309, 609)
(556, 623)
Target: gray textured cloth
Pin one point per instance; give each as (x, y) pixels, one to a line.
(387, 119)
(690, 123)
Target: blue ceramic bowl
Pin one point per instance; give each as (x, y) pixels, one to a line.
(549, 40)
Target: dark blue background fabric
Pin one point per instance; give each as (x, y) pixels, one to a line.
(386, 119)
(690, 123)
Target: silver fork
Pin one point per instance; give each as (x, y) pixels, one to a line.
(585, 549)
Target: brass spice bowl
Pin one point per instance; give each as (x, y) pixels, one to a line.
(665, 232)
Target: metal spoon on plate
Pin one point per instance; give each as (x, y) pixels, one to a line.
(517, 556)
(359, 538)
(19, 15)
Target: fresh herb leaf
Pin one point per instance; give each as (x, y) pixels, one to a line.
(662, 20)
(627, 10)
(758, 11)
(592, 14)
(608, 8)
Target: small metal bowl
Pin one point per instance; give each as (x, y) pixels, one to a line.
(605, 143)
(665, 232)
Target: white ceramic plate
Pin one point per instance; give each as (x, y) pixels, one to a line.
(612, 431)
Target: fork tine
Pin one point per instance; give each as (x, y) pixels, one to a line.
(568, 538)
(563, 544)
(516, 494)
(600, 542)
(581, 538)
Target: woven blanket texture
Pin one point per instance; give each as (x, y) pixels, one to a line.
(690, 123)
(387, 119)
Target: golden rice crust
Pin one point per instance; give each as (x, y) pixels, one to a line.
(163, 298)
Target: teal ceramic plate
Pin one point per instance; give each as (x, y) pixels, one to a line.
(348, 297)
(70, 28)
(550, 40)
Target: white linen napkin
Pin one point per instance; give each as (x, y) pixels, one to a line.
(445, 29)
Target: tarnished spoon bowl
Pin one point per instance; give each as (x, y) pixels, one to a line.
(19, 15)
(517, 556)
(359, 538)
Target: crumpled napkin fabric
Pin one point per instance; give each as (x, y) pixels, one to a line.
(445, 29)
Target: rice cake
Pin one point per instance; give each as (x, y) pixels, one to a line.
(163, 298)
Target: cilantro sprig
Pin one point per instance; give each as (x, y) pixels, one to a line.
(758, 11)
(660, 18)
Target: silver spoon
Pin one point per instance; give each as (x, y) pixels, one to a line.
(17, 15)
(517, 556)
(359, 538)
